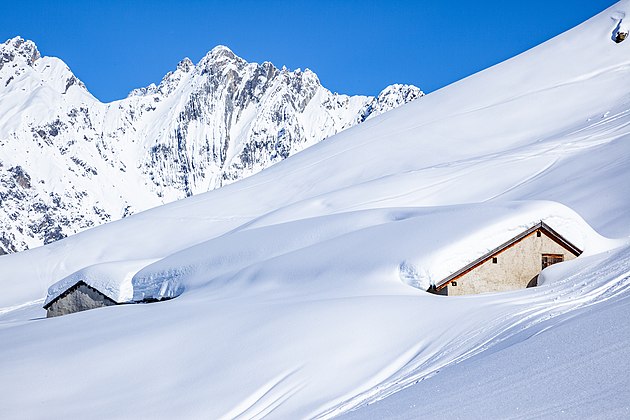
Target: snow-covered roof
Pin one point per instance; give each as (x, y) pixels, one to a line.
(466, 233)
(113, 279)
(420, 246)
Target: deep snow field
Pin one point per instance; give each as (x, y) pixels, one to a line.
(300, 290)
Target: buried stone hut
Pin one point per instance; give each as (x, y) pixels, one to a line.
(93, 287)
(79, 297)
(512, 265)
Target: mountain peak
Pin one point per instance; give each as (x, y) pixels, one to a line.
(221, 50)
(219, 54)
(18, 46)
(185, 65)
(398, 94)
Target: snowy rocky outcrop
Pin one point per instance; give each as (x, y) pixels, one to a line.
(69, 162)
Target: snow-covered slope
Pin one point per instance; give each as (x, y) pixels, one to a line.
(565, 366)
(296, 285)
(68, 161)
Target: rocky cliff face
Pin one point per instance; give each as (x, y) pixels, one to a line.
(69, 162)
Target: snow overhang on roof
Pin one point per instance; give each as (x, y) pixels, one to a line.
(452, 239)
(112, 279)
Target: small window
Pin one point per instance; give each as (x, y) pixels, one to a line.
(453, 283)
(551, 259)
(495, 260)
(538, 234)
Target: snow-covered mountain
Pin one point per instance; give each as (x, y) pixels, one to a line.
(69, 162)
(299, 289)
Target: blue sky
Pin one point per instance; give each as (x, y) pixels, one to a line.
(355, 47)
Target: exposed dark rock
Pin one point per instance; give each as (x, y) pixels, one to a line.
(21, 177)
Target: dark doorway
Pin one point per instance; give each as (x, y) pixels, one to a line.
(533, 282)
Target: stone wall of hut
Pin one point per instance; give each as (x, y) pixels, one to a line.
(79, 298)
(511, 269)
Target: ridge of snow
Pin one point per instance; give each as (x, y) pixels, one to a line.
(388, 236)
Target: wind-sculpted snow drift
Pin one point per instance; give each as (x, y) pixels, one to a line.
(388, 239)
(69, 162)
(295, 286)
